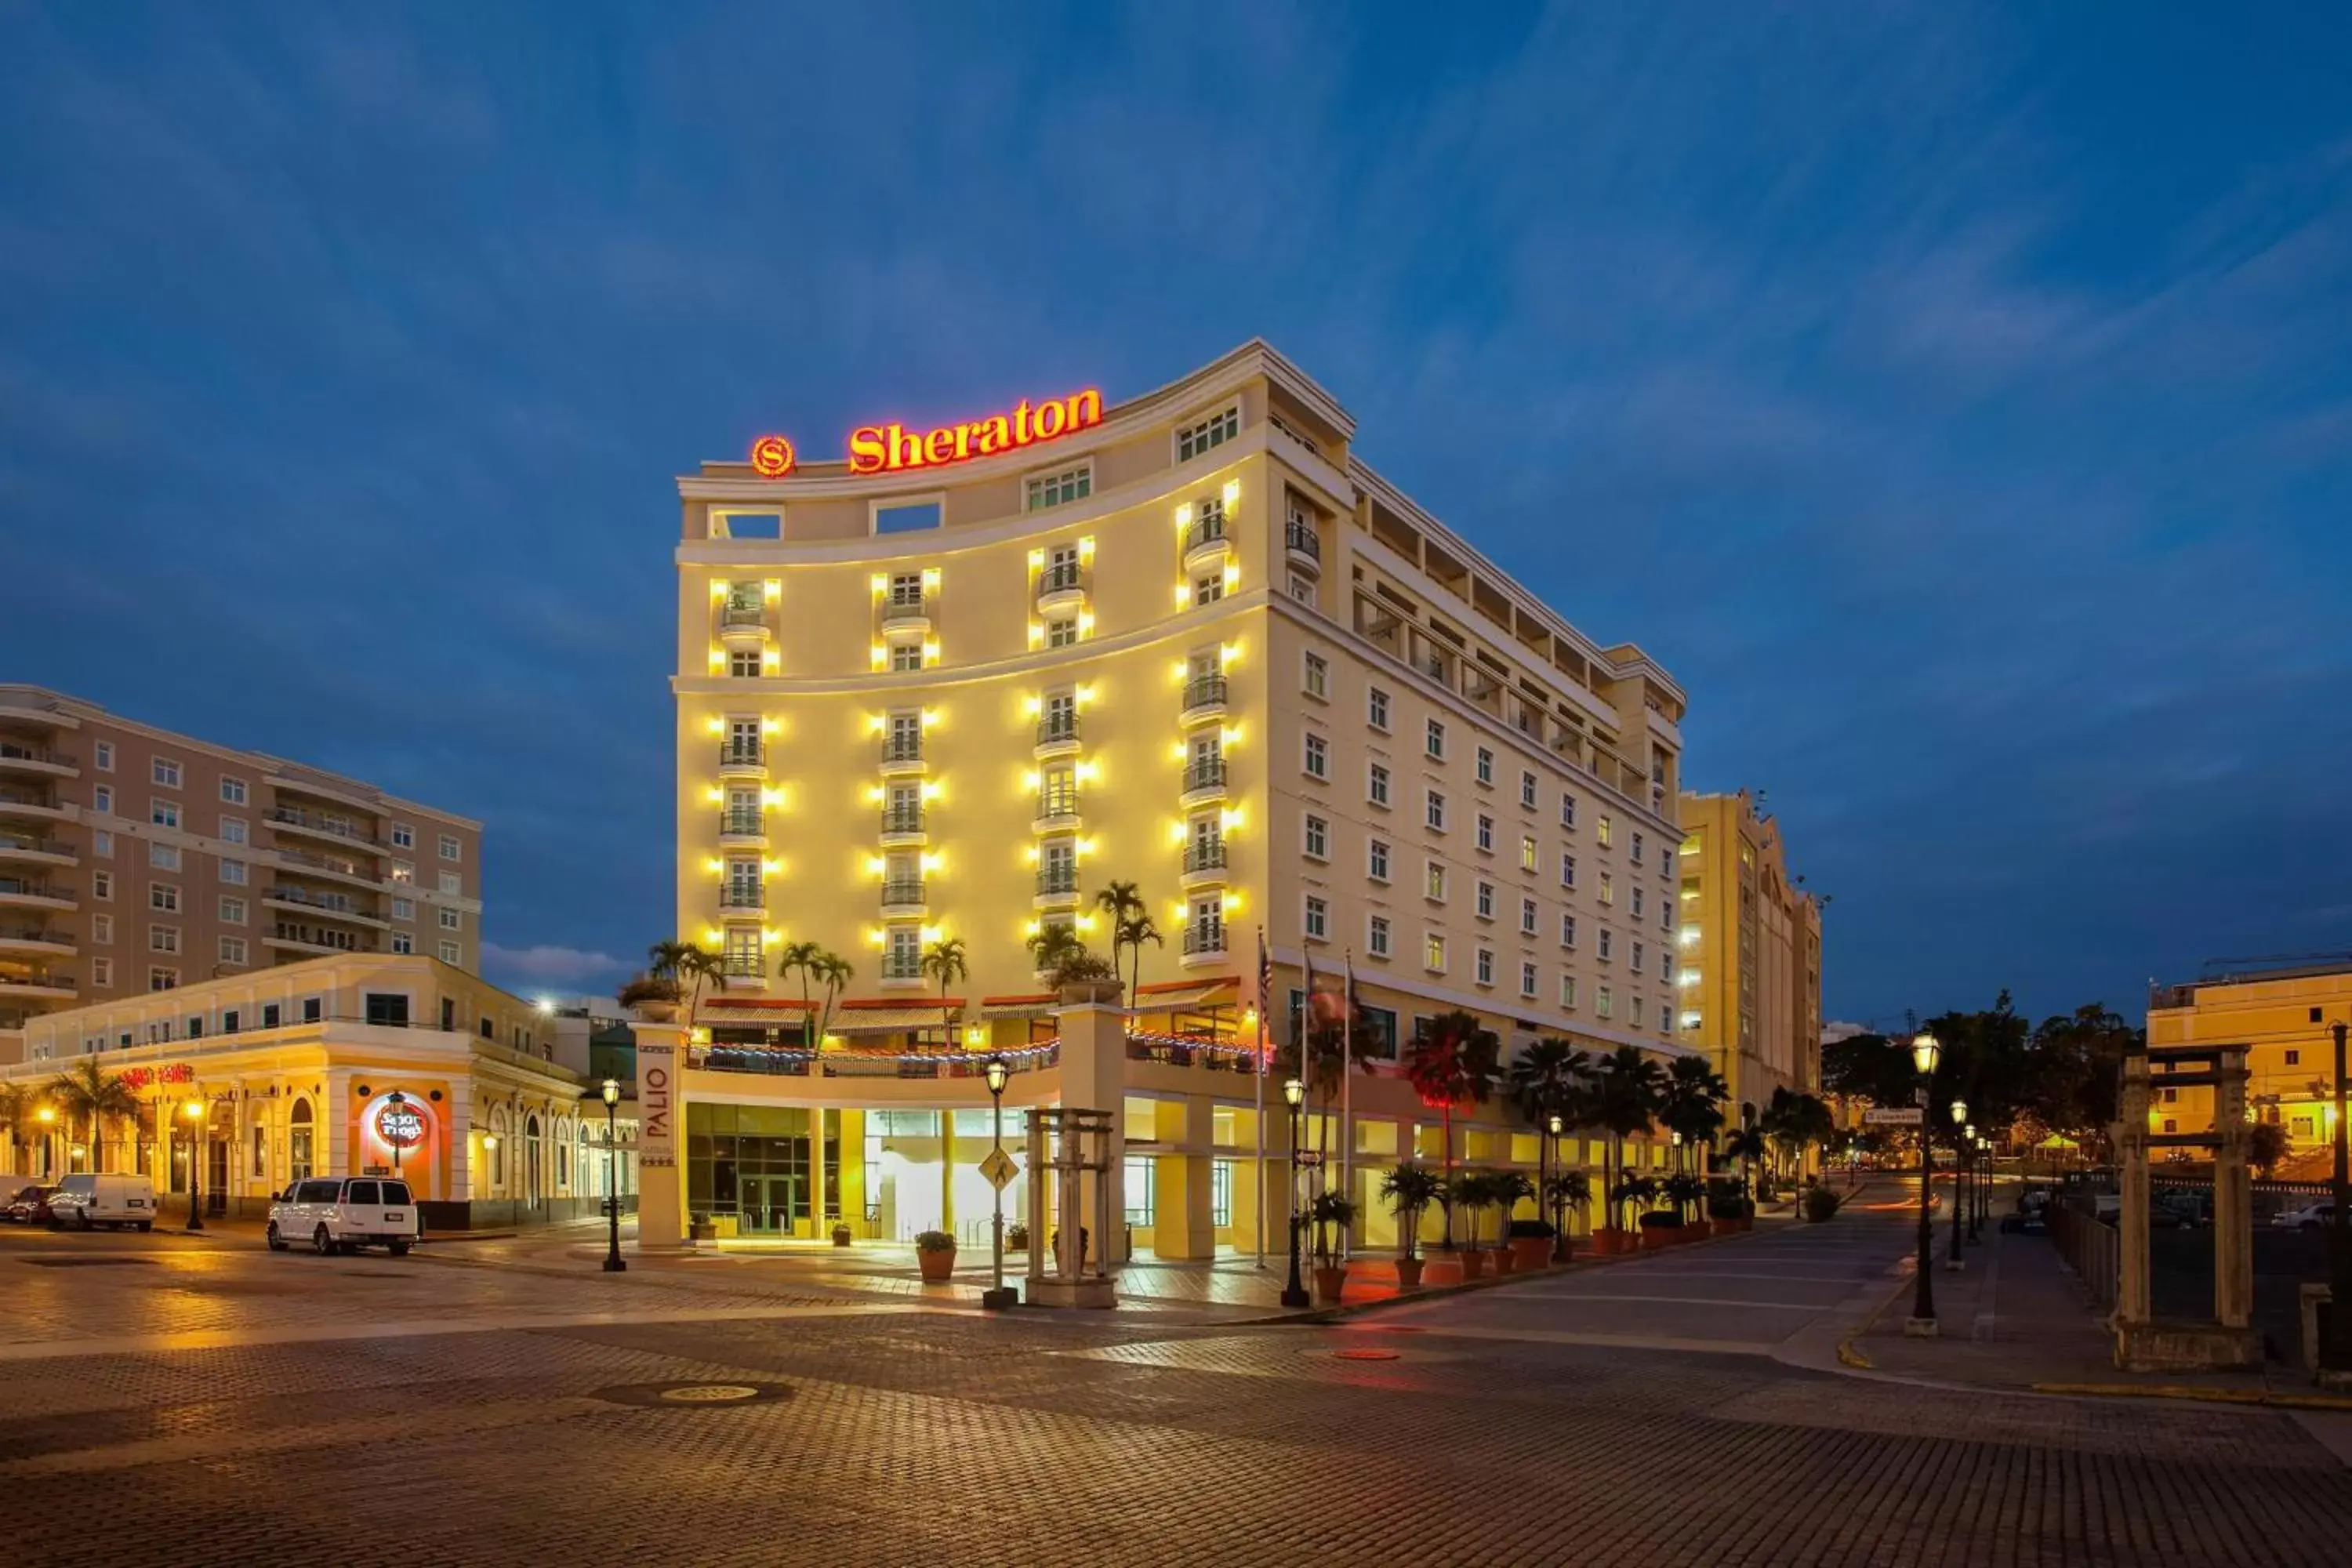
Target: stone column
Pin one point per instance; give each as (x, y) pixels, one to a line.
(817, 1228)
(333, 1126)
(1183, 1223)
(2133, 1295)
(661, 1137)
(947, 1170)
(1094, 1077)
(2233, 1196)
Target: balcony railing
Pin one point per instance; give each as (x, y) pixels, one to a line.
(16, 751)
(35, 846)
(742, 754)
(1205, 530)
(35, 933)
(902, 819)
(1052, 879)
(902, 890)
(331, 903)
(1057, 727)
(1203, 690)
(321, 936)
(1201, 940)
(902, 748)
(1299, 536)
(1204, 773)
(290, 817)
(739, 824)
(25, 890)
(1207, 855)
(736, 615)
(1057, 802)
(26, 797)
(896, 609)
(1062, 579)
(742, 966)
(50, 979)
(327, 863)
(735, 896)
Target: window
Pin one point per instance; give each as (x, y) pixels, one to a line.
(1432, 880)
(1376, 936)
(402, 942)
(1665, 859)
(1603, 831)
(1214, 431)
(1606, 936)
(1318, 837)
(163, 857)
(401, 871)
(101, 844)
(101, 886)
(1526, 854)
(450, 883)
(163, 813)
(1485, 966)
(1568, 992)
(1136, 1189)
(104, 758)
(1062, 631)
(905, 656)
(1433, 811)
(449, 848)
(1376, 860)
(101, 971)
(101, 928)
(1301, 589)
(1637, 1012)
(1568, 811)
(1566, 869)
(1636, 964)
(1060, 487)
(1376, 709)
(1527, 980)
(1528, 790)
(1567, 930)
(1526, 917)
(403, 909)
(232, 950)
(1486, 766)
(1208, 588)
(101, 800)
(453, 920)
(2294, 1058)
(742, 665)
(1486, 832)
(403, 837)
(1377, 790)
(233, 790)
(163, 896)
(1221, 1194)
(160, 979)
(1637, 849)
(163, 939)
(165, 771)
(1317, 759)
(1318, 915)
(1637, 900)
(1608, 889)
(1601, 1003)
(1433, 742)
(1667, 966)
(1433, 953)
(233, 873)
(1485, 900)
(1316, 677)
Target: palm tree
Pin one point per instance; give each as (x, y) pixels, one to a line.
(1131, 928)
(701, 966)
(1747, 1145)
(89, 1093)
(802, 958)
(943, 960)
(834, 973)
(1692, 1104)
(1566, 1190)
(13, 1104)
(1503, 1190)
(1409, 1188)
(666, 961)
(1626, 1090)
(1452, 1063)
(1052, 946)
(1549, 1077)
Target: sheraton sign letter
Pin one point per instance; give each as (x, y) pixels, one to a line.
(885, 448)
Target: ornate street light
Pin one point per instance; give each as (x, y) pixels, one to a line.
(998, 1073)
(1959, 1175)
(1925, 1050)
(1293, 1094)
(194, 1110)
(613, 1264)
(1555, 1126)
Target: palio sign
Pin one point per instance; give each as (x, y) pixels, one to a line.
(890, 449)
(657, 1110)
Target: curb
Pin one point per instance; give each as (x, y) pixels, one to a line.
(2196, 1394)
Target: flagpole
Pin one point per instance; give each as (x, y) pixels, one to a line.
(1265, 1036)
(1347, 1088)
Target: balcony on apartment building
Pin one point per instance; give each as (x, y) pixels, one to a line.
(903, 896)
(37, 893)
(33, 802)
(27, 757)
(1204, 698)
(19, 940)
(1204, 938)
(1061, 585)
(301, 936)
(338, 906)
(35, 849)
(291, 819)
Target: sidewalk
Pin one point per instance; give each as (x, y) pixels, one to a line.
(2017, 1320)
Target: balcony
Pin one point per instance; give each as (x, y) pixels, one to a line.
(1056, 808)
(1057, 885)
(902, 825)
(26, 713)
(1204, 780)
(735, 898)
(31, 848)
(1057, 734)
(744, 829)
(305, 864)
(20, 893)
(335, 906)
(1304, 545)
(295, 937)
(1205, 541)
(1205, 863)
(1205, 941)
(286, 819)
(1061, 587)
(17, 757)
(1204, 699)
(903, 896)
(898, 613)
(740, 625)
(36, 941)
(25, 802)
(742, 759)
(39, 986)
(743, 970)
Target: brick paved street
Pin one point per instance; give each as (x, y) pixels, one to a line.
(161, 1406)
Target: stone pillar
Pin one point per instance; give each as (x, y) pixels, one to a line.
(661, 1137)
(334, 1127)
(2233, 1196)
(947, 1171)
(817, 1227)
(2134, 1299)
(1094, 1077)
(1183, 1221)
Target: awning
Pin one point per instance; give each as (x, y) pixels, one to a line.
(850, 1021)
(765, 1015)
(1185, 993)
(1016, 1008)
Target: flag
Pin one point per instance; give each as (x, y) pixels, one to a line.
(1264, 999)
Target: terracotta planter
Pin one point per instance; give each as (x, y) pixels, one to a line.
(1609, 1241)
(1437, 1268)
(1473, 1263)
(1530, 1252)
(1658, 1237)
(1726, 1226)
(1501, 1260)
(1566, 1252)
(1331, 1278)
(938, 1267)
(1408, 1273)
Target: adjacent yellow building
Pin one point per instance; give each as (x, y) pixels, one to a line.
(1748, 950)
(2283, 1010)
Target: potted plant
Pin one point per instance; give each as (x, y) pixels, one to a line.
(935, 1251)
(1821, 1204)
(1566, 1193)
(840, 1233)
(1687, 1193)
(1016, 1237)
(700, 1227)
(1531, 1242)
(1504, 1190)
(1329, 1213)
(1472, 1194)
(1409, 1189)
(1727, 1206)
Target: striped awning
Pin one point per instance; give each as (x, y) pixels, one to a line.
(768, 1014)
(1016, 1008)
(1177, 997)
(851, 1021)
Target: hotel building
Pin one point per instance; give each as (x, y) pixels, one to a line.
(2282, 1011)
(949, 689)
(134, 859)
(1749, 946)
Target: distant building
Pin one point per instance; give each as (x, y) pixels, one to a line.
(2280, 1007)
(134, 859)
(1748, 951)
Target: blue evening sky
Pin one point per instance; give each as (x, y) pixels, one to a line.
(1956, 398)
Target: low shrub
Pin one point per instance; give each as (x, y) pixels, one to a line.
(1016, 1237)
(1820, 1202)
(935, 1241)
(1527, 1227)
(1661, 1219)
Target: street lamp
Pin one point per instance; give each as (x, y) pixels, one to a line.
(1924, 1052)
(2335, 1355)
(613, 1264)
(1295, 1293)
(998, 1073)
(1559, 1212)
(393, 1102)
(1976, 1177)
(48, 1117)
(194, 1110)
(1960, 1171)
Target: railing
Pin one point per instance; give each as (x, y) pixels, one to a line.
(326, 863)
(1205, 856)
(1203, 939)
(2091, 1249)
(329, 903)
(15, 753)
(1204, 690)
(1204, 773)
(55, 938)
(26, 797)
(1057, 879)
(903, 890)
(25, 890)
(895, 609)
(316, 824)
(739, 897)
(1056, 727)
(1060, 579)
(1207, 531)
(47, 978)
(742, 968)
(1184, 1051)
(1299, 536)
(902, 819)
(1057, 802)
(736, 615)
(739, 823)
(26, 841)
(933, 1063)
(319, 936)
(741, 754)
(902, 748)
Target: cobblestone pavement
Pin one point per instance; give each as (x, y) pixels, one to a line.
(909, 1436)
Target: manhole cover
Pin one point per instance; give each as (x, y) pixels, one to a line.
(693, 1395)
(1363, 1355)
(84, 1262)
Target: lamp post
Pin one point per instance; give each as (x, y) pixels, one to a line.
(999, 1296)
(393, 1102)
(613, 1264)
(2335, 1355)
(1984, 1200)
(1294, 1294)
(1976, 1177)
(48, 1117)
(194, 1110)
(1954, 1261)
(1559, 1211)
(1923, 1051)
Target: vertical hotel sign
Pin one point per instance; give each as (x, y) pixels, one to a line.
(657, 1104)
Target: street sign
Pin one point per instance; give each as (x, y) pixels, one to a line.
(999, 1169)
(1897, 1116)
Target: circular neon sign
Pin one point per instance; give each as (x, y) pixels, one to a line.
(401, 1126)
(772, 456)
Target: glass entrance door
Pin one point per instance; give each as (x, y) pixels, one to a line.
(767, 1205)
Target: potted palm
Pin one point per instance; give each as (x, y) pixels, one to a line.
(1409, 1189)
(841, 1236)
(1627, 1089)
(1688, 1193)
(935, 1252)
(1566, 1193)
(1330, 1212)
(1473, 1192)
(1504, 1190)
(701, 1228)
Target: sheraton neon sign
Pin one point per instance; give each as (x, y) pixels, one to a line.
(891, 449)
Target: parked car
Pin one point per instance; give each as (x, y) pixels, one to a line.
(28, 1204)
(2311, 1216)
(2179, 1211)
(2032, 1215)
(344, 1213)
(87, 1199)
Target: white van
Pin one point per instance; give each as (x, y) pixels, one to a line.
(104, 1197)
(344, 1213)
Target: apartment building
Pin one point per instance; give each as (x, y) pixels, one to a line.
(1748, 943)
(2283, 1010)
(947, 688)
(136, 859)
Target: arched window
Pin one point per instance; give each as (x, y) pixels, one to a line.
(531, 1166)
(498, 1144)
(585, 1168)
(299, 1144)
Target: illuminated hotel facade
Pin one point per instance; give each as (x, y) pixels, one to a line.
(1749, 944)
(949, 689)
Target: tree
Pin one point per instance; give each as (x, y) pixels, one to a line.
(1747, 1145)
(15, 1106)
(834, 973)
(1626, 1090)
(1452, 1064)
(802, 958)
(1504, 1190)
(1549, 1077)
(1409, 1188)
(666, 964)
(2076, 1060)
(2266, 1145)
(702, 967)
(943, 960)
(87, 1092)
(1874, 1067)
(1052, 946)
(1692, 1102)
(1130, 927)
(1792, 1122)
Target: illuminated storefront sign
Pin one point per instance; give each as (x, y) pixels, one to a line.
(170, 1072)
(657, 1126)
(772, 456)
(882, 448)
(401, 1126)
